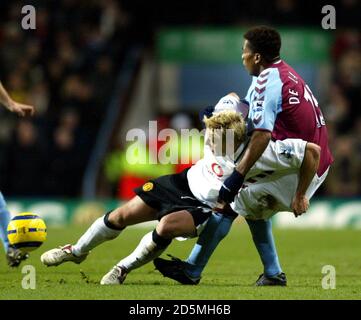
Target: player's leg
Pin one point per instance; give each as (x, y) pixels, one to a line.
(110, 226)
(262, 231)
(262, 236)
(14, 256)
(217, 228)
(4, 221)
(260, 201)
(179, 214)
(263, 239)
(155, 242)
(279, 198)
(214, 232)
(180, 223)
(189, 271)
(103, 229)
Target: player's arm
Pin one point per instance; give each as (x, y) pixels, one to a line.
(262, 116)
(257, 145)
(13, 106)
(308, 169)
(230, 101)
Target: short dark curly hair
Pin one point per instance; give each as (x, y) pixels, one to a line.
(264, 40)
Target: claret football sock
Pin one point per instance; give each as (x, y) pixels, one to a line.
(216, 229)
(263, 239)
(4, 221)
(100, 231)
(150, 247)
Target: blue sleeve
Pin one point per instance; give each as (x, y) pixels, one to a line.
(247, 98)
(266, 101)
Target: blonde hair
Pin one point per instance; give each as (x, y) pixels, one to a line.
(227, 120)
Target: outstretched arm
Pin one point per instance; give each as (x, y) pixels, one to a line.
(13, 106)
(308, 169)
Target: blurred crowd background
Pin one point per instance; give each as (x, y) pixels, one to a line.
(72, 66)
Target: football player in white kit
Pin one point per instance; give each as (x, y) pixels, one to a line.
(183, 202)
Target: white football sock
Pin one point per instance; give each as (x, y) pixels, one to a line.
(146, 251)
(94, 236)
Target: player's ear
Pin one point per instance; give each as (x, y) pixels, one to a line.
(257, 58)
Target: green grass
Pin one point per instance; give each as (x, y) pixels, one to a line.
(229, 275)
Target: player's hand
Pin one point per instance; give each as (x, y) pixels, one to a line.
(230, 187)
(224, 209)
(21, 109)
(300, 205)
(220, 206)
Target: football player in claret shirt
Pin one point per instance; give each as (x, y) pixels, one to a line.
(281, 106)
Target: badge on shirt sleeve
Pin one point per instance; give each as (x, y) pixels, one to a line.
(148, 186)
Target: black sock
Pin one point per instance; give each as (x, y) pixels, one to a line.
(159, 240)
(109, 224)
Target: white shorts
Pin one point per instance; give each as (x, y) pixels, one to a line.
(263, 199)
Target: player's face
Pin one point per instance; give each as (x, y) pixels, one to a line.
(222, 144)
(250, 59)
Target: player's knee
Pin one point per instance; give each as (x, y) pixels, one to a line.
(117, 218)
(176, 225)
(314, 151)
(166, 229)
(160, 241)
(2, 202)
(224, 227)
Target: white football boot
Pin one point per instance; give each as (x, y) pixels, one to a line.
(116, 275)
(57, 256)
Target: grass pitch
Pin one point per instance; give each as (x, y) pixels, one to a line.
(229, 275)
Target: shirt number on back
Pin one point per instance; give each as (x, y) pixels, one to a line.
(318, 114)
